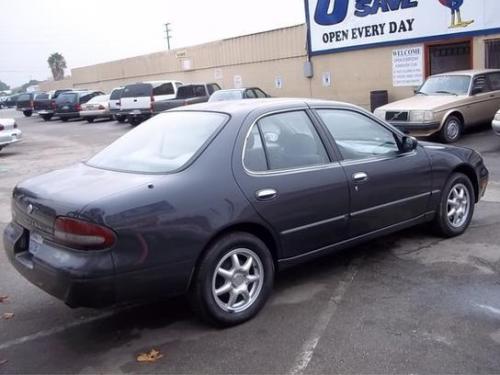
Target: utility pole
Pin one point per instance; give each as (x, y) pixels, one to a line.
(168, 31)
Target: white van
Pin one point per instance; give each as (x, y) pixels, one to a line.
(136, 99)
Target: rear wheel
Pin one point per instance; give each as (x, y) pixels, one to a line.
(121, 119)
(64, 119)
(90, 120)
(233, 280)
(27, 113)
(456, 207)
(451, 130)
(134, 121)
(47, 117)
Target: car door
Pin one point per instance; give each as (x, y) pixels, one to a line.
(494, 82)
(387, 187)
(290, 179)
(482, 101)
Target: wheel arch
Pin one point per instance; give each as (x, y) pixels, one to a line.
(453, 112)
(469, 172)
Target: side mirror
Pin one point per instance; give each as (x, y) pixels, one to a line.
(408, 144)
(476, 90)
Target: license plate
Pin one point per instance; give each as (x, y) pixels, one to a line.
(135, 113)
(36, 242)
(65, 108)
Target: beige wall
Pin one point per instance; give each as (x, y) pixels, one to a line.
(259, 59)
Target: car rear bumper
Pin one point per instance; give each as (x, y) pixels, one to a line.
(68, 114)
(96, 113)
(44, 112)
(88, 278)
(496, 126)
(417, 129)
(135, 113)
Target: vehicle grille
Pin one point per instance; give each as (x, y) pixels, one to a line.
(396, 116)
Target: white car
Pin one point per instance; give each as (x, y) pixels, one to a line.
(496, 123)
(97, 107)
(9, 132)
(115, 104)
(136, 99)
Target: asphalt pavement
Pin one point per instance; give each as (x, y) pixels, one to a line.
(406, 303)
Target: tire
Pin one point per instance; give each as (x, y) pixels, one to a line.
(218, 309)
(451, 130)
(134, 121)
(90, 120)
(457, 186)
(64, 119)
(27, 113)
(121, 119)
(47, 117)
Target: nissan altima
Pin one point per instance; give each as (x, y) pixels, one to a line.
(213, 199)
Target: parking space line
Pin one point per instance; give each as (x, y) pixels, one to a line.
(307, 352)
(59, 329)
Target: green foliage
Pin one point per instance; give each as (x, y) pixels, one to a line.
(57, 64)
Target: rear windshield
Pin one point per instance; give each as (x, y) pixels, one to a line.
(162, 144)
(138, 89)
(99, 99)
(67, 98)
(42, 96)
(116, 94)
(24, 97)
(219, 96)
(190, 91)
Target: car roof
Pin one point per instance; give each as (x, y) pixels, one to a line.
(469, 72)
(239, 107)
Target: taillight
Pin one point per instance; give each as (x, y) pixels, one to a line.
(53, 104)
(152, 101)
(101, 106)
(82, 235)
(15, 126)
(78, 107)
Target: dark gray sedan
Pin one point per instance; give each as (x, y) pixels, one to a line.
(211, 200)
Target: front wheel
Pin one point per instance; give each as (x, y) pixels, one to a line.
(134, 121)
(451, 130)
(233, 280)
(46, 117)
(456, 207)
(121, 119)
(27, 113)
(64, 119)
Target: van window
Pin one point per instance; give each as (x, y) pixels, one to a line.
(138, 89)
(190, 91)
(67, 98)
(116, 94)
(42, 96)
(24, 98)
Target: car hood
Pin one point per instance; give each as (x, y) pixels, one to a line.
(423, 102)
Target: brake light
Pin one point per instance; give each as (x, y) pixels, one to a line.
(101, 106)
(53, 104)
(82, 235)
(2, 127)
(78, 107)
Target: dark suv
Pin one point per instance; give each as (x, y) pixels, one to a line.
(45, 103)
(68, 104)
(25, 103)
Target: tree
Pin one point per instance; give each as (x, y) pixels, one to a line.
(4, 86)
(57, 64)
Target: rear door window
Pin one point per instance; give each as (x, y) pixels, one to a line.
(116, 94)
(494, 79)
(191, 91)
(259, 93)
(136, 90)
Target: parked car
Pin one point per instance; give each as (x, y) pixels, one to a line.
(69, 104)
(2, 101)
(45, 104)
(97, 107)
(137, 99)
(9, 132)
(496, 123)
(213, 199)
(186, 95)
(11, 101)
(115, 105)
(25, 103)
(237, 94)
(446, 104)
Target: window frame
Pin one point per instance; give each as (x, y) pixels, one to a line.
(320, 131)
(398, 135)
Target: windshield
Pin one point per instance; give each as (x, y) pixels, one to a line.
(452, 84)
(162, 144)
(190, 91)
(24, 97)
(139, 89)
(99, 99)
(219, 96)
(67, 98)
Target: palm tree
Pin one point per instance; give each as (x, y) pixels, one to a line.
(57, 64)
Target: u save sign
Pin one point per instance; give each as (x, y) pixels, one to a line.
(335, 25)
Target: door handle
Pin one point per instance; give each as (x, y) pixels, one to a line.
(360, 177)
(266, 194)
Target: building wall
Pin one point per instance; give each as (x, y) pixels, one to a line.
(259, 59)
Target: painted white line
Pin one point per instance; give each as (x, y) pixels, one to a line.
(307, 352)
(59, 329)
(489, 308)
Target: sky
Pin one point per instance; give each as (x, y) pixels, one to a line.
(94, 31)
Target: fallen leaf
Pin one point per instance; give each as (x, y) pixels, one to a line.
(152, 356)
(3, 299)
(3, 361)
(7, 316)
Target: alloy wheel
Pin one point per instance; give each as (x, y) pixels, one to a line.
(458, 205)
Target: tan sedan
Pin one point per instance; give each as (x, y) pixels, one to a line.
(446, 104)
